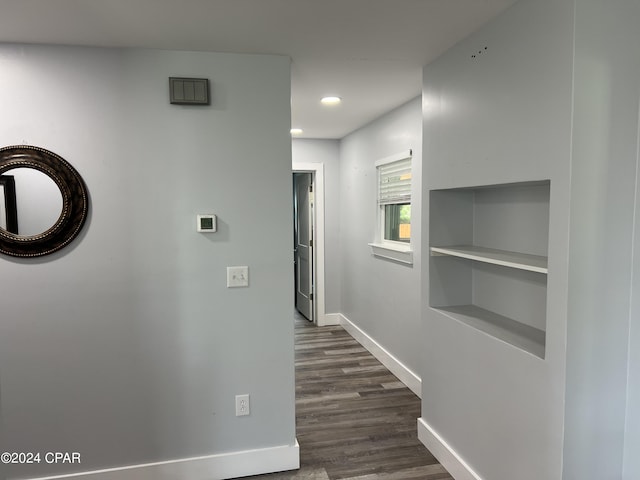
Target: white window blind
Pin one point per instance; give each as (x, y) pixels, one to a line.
(394, 182)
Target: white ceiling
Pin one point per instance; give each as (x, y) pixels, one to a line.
(369, 52)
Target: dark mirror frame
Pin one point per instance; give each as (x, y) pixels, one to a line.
(75, 202)
(11, 211)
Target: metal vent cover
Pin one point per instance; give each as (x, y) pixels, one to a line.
(189, 91)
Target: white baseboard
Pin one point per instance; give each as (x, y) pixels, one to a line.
(211, 467)
(404, 374)
(446, 455)
(330, 319)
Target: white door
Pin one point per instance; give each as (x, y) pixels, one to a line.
(303, 242)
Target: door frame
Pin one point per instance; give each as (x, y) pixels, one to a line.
(317, 169)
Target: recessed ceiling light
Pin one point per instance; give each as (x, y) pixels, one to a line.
(296, 131)
(331, 100)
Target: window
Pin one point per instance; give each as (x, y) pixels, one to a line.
(394, 198)
(397, 222)
(393, 240)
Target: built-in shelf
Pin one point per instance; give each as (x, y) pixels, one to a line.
(519, 335)
(521, 261)
(500, 287)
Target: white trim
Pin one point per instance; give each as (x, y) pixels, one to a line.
(400, 370)
(331, 319)
(446, 455)
(401, 253)
(318, 247)
(211, 467)
(395, 157)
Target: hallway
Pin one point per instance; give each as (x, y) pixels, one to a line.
(355, 420)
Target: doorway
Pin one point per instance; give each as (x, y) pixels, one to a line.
(314, 173)
(303, 233)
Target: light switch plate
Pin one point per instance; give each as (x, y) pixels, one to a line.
(237, 277)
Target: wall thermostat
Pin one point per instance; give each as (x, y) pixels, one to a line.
(206, 223)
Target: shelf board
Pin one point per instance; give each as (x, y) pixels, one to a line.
(518, 334)
(521, 261)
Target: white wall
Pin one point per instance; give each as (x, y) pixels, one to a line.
(555, 95)
(326, 152)
(502, 116)
(379, 296)
(603, 188)
(127, 346)
(632, 433)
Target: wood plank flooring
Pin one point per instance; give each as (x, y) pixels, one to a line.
(355, 420)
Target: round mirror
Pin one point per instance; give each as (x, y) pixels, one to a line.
(43, 201)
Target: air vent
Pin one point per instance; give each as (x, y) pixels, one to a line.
(189, 91)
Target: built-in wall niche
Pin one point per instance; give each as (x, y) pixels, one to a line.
(488, 263)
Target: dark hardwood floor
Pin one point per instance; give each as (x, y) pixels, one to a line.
(355, 420)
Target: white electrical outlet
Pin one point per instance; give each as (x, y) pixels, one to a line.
(237, 277)
(242, 405)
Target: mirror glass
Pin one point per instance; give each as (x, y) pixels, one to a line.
(38, 200)
(3, 208)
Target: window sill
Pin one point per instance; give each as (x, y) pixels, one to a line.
(397, 253)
